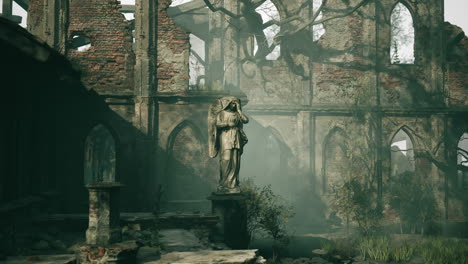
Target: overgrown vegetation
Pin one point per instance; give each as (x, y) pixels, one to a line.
(343, 247)
(267, 214)
(412, 196)
(443, 251)
(432, 250)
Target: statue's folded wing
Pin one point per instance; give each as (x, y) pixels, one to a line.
(213, 111)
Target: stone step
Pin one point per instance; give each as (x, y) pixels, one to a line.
(41, 259)
(210, 257)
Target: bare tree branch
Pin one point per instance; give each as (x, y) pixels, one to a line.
(194, 53)
(222, 9)
(314, 20)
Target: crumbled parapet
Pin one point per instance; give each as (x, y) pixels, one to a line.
(124, 252)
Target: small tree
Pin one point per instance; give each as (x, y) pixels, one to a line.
(412, 196)
(354, 202)
(267, 213)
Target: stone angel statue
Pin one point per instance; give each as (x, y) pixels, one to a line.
(227, 140)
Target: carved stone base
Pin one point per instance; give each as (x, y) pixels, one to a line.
(119, 253)
(232, 226)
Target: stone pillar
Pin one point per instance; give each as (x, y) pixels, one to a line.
(146, 107)
(104, 214)
(223, 71)
(232, 226)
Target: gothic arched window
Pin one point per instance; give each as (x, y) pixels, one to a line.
(402, 36)
(402, 153)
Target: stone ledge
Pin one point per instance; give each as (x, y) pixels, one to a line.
(227, 197)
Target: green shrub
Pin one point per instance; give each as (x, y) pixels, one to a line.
(411, 194)
(354, 201)
(345, 247)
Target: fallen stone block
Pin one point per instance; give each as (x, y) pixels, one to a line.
(209, 257)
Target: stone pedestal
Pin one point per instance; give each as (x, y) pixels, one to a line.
(232, 226)
(104, 214)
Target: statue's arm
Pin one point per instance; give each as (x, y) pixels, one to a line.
(243, 117)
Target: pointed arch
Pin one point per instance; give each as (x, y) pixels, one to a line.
(186, 180)
(401, 148)
(402, 44)
(177, 129)
(100, 155)
(334, 157)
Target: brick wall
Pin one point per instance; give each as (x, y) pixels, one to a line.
(108, 65)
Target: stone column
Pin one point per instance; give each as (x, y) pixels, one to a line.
(104, 214)
(232, 226)
(222, 71)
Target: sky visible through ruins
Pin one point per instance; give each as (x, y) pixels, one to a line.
(455, 11)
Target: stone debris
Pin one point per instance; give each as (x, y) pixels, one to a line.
(314, 260)
(179, 240)
(210, 257)
(41, 259)
(41, 245)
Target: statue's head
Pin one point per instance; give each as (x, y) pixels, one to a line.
(230, 103)
(232, 106)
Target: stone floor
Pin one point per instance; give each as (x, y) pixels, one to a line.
(41, 259)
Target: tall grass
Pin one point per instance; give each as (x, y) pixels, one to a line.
(375, 248)
(443, 251)
(402, 253)
(433, 250)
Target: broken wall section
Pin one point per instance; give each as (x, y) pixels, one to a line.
(107, 65)
(344, 57)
